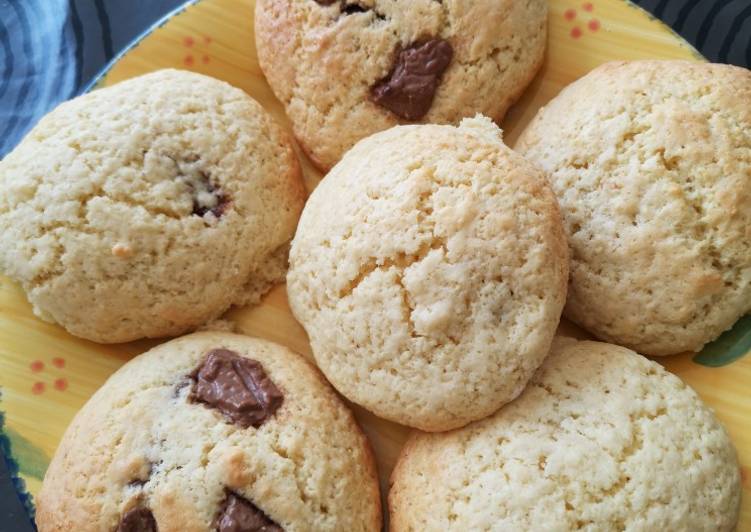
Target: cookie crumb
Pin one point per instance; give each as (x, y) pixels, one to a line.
(122, 251)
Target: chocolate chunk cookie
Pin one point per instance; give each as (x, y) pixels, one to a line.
(148, 208)
(345, 69)
(212, 432)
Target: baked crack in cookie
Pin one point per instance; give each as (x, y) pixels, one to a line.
(429, 270)
(601, 439)
(346, 69)
(212, 432)
(148, 208)
(651, 163)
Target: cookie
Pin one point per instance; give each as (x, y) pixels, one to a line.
(347, 69)
(212, 431)
(148, 208)
(651, 163)
(429, 270)
(601, 439)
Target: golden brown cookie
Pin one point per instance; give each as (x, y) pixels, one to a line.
(212, 431)
(429, 270)
(651, 163)
(347, 69)
(148, 208)
(601, 439)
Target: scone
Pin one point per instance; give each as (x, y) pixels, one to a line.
(347, 69)
(601, 439)
(429, 270)
(212, 431)
(651, 163)
(148, 208)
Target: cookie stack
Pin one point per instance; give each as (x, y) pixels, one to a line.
(430, 269)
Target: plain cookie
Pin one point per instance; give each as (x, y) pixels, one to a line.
(148, 208)
(601, 439)
(347, 69)
(212, 431)
(651, 163)
(429, 270)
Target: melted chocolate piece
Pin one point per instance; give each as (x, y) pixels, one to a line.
(409, 88)
(351, 9)
(236, 386)
(240, 515)
(208, 198)
(137, 520)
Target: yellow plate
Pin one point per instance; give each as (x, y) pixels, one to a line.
(46, 375)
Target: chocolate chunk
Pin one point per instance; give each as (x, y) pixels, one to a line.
(351, 9)
(207, 197)
(409, 88)
(236, 386)
(347, 7)
(137, 520)
(240, 515)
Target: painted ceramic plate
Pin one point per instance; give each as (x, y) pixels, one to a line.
(46, 375)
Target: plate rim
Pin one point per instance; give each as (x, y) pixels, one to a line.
(99, 77)
(95, 81)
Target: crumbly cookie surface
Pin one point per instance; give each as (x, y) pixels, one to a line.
(143, 209)
(329, 62)
(651, 163)
(167, 440)
(429, 270)
(601, 439)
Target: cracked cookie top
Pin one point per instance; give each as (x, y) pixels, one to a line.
(651, 163)
(601, 439)
(429, 270)
(148, 208)
(213, 432)
(345, 69)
